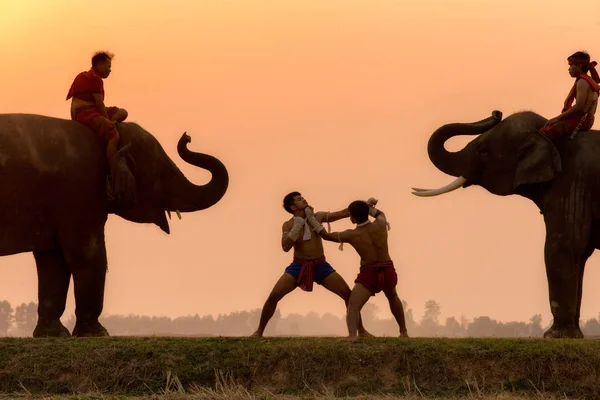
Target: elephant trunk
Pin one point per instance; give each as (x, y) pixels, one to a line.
(186, 196)
(452, 162)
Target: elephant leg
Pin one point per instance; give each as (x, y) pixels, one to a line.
(566, 252)
(53, 285)
(87, 258)
(590, 251)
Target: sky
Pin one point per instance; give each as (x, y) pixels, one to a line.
(336, 99)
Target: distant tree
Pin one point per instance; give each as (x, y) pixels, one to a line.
(464, 323)
(162, 325)
(482, 327)
(311, 324)
(512, 329)
(368, 313)
(6, 317)
(452, 328)
(535, 327)
(430, 322)
(332, 325)
(26, 316)
(411, 324)
(292, 325)
(591, 327)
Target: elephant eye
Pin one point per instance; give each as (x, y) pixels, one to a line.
(482, 152)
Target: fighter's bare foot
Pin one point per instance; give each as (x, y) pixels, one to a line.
(404, 334)
(364, 334)
(256, 334)
(350, 339)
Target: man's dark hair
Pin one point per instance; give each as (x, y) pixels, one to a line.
(359, 210)
(101, 56)
(288, 201)
(581, 55)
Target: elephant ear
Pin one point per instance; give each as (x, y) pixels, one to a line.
(538, 160)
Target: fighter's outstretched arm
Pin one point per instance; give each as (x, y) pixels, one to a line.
(332, 216)
(338, 237)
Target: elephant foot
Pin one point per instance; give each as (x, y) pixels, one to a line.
(89, 329)
(50, 329)
(563, 332)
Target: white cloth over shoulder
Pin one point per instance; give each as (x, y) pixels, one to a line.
(307, 234)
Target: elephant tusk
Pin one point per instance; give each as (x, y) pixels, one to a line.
(169, 214)
(435, 192)
(178, 214)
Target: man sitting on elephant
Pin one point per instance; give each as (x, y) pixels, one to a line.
(88, 108)
(584, 92)
(309, 264)
(377, 272)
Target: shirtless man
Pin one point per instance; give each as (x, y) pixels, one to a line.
(377, 272)
(309, 264)
(88, 108)
(585, 94)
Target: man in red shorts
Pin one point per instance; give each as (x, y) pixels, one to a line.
(377, 272)
(585, 94)
(88, 108)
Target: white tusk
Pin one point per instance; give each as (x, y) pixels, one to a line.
(169, 214)
(178, 214)
(435, 192)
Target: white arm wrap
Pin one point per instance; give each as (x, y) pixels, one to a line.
(314, 223)
(295, 231)
(373, 211)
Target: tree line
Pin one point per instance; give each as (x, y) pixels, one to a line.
(22, 320)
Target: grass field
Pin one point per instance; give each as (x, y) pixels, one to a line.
(286, 368)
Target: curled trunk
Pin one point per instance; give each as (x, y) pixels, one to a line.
(186, 196)
(452, 162)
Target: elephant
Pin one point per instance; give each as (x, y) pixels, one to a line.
(561, 176)
(54, 204)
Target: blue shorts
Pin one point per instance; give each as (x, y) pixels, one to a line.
(322, 271)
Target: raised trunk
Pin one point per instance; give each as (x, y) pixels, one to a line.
(451, 162)
(186, 196)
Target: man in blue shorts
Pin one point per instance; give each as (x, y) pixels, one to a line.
(301, 232)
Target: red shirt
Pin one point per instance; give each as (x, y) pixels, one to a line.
(85, 84)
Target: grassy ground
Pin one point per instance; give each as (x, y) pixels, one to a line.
(320, 368)
(245, 396)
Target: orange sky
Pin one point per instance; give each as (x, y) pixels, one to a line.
(336, 99)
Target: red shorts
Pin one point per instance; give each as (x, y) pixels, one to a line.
(90, 117)
(377, 277)
(566, 127)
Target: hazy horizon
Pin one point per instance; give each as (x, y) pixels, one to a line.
(335, 99)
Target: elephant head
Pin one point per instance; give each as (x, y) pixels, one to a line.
(160, 186)
(504, 158)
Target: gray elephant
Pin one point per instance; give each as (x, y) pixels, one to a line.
(53, 203)
(562, 178)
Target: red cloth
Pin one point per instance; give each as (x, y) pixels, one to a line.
(306, 277)
(567, 126)
(85, 84)
(90, 117)
(573, 93)
(378, 276)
